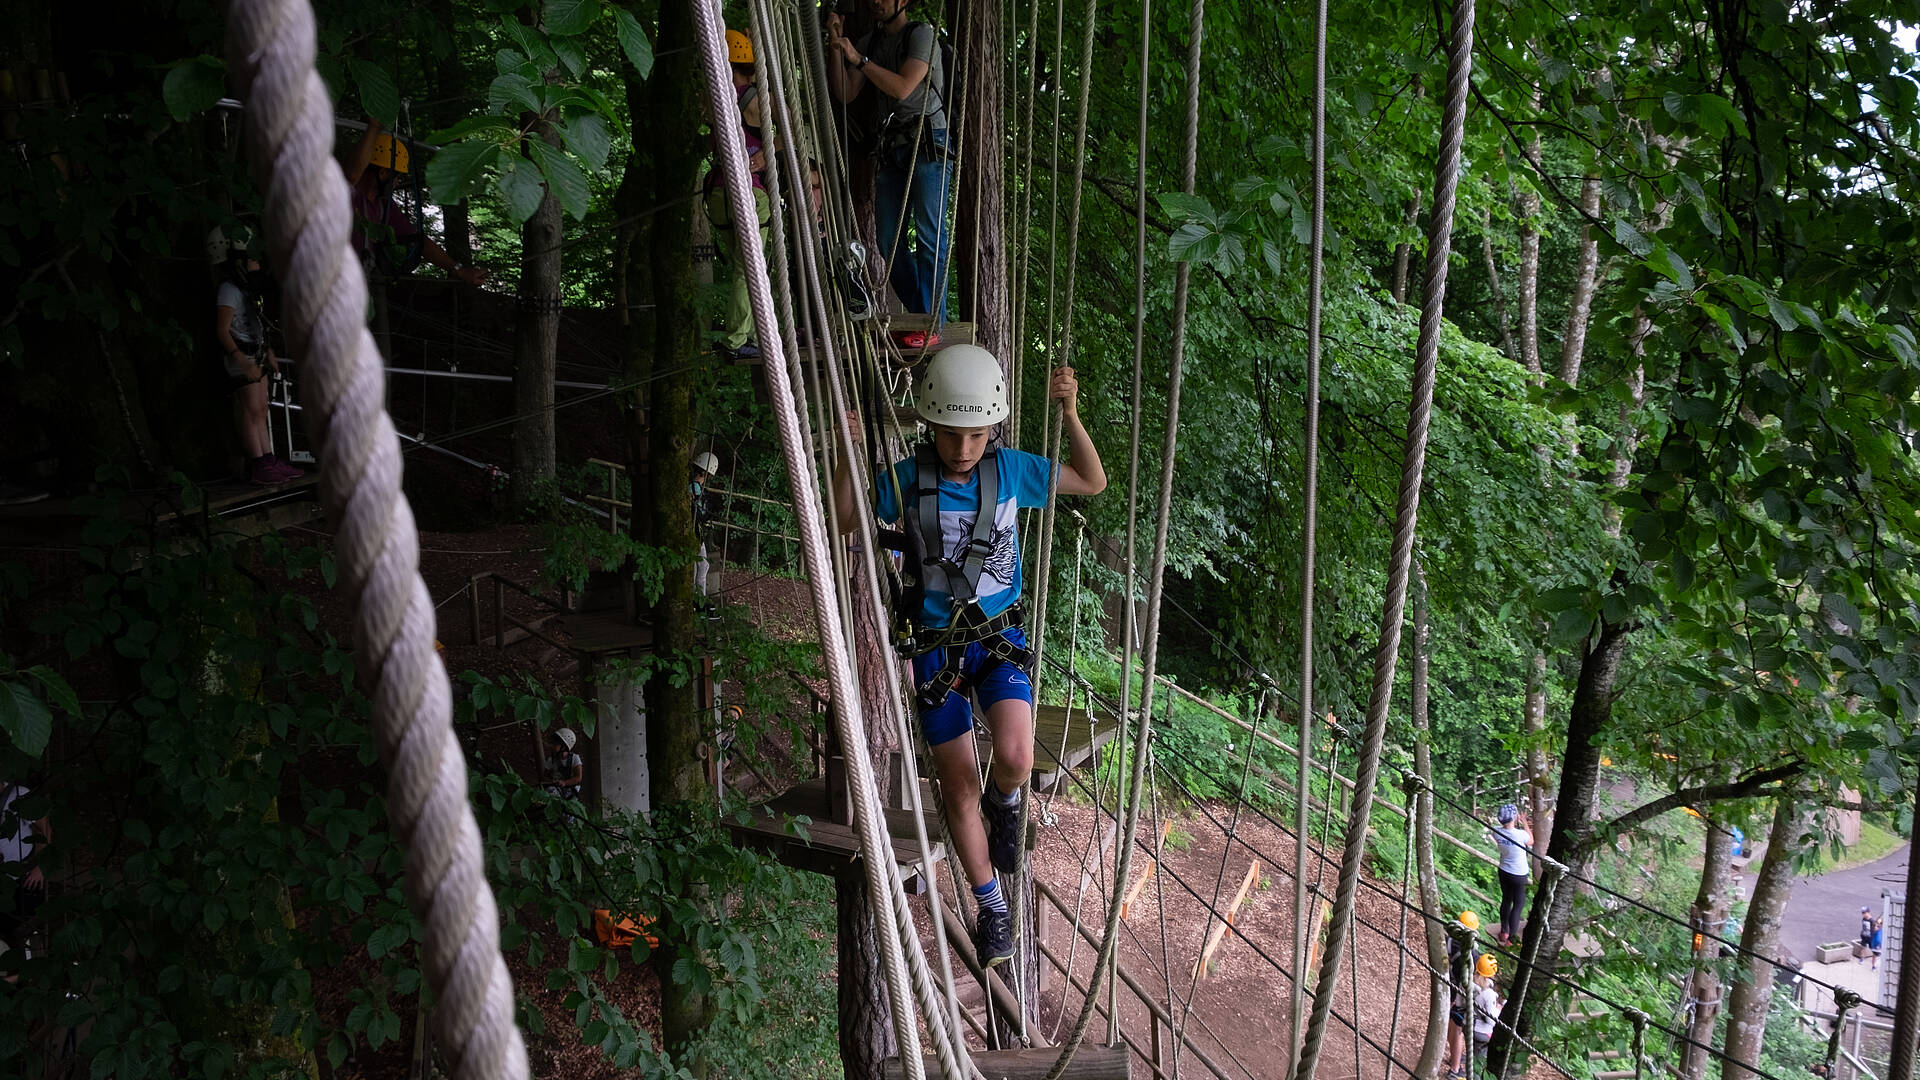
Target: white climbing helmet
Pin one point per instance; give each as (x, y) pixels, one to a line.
(220, 245)
(566, 736)
(707, 463)
(962, 387)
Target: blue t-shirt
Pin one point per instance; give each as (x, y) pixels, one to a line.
(1023, 482)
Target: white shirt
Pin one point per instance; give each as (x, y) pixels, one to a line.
(1486, 1006)
(16, 843)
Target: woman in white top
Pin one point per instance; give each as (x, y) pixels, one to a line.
(1513, 841)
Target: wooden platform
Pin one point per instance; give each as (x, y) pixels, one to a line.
(1082, 734)
(227, 506)
(954, 333)
(1090, 1062)
(826, 846)
(598, 633)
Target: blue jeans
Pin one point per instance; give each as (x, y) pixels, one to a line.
(918, 270)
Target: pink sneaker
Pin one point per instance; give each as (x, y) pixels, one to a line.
(264, 472)
(288, 470)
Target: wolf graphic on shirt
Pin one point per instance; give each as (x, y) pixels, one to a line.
(998, 566)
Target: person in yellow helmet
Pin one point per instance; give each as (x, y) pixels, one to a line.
(739, 341)
(372, 168)
(1486, 1004)
(1463, 960)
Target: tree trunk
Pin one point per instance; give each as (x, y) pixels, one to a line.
(1571, 845)
(1403, 252)
(633, 289)
(1752, 994)
(1529, 292)
(1493, 286)
(1573, 339)
(674, 721)
(979, 251)
(1708, 916)
(1540, 782)
(1428, 1066)
(536, 345)
(866, 1024)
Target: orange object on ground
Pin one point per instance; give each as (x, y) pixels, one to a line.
(619, 935)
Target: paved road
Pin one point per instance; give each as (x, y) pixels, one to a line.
(1827, 908)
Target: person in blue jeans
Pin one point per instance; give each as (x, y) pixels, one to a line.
(968, 639)
(900, 58)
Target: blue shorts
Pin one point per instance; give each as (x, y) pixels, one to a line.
(990, 679)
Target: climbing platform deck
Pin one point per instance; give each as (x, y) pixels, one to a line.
(599, 633)
(954, 333)
(229, 506)
(821, 845)
(1065, 741)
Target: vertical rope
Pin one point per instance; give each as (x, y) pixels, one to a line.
(1309, 527)
(883, 884)
(1386, 657)
(271, 45)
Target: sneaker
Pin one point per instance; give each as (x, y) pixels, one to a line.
(1003, 831)
(993, 938)
(748, 351)
(917, 339)
(287, 469)
(262, 473)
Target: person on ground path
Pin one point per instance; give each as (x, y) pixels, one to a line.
(739, 341)
(965, 608)
(699, 472)
(1462, 960)
(1514, 841)
(372, 169)
(240, 329)
(23, 843)
(1865, 948)
(1874, 944)
(901, 59)
(563, 767)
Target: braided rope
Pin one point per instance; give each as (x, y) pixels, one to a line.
(1406, 514)
(271, 44)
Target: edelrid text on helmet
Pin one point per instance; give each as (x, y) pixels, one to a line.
(962, 386)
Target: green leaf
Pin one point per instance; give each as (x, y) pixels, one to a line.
(1192, 243)
(1631, 238)
(512, 89)
(539, 54)
(1183, 207)
(564, 178)
(193, 86)
(493, 127)
(1841, 610)
(1782, 315)
(588, 137)
(633, 41)
(567, 17)
(571, 56)
(378, 94)
(1745, 712)
(452, 174)
(521, 188)
(387, 938)
(25, 718)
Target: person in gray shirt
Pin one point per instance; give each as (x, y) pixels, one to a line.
(901, 60)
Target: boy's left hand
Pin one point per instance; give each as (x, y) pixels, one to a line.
(1066, 389)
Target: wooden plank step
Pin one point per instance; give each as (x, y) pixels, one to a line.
(827, 846)
(1090, 1062)
(599, 632)
(1080, 733)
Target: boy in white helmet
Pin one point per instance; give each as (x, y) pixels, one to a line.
(699, 471)
(969, 639)
(563, 767)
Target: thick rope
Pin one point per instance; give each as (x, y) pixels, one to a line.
(1386, 658)
(271, 45)
(882, 874)
(1310, 497)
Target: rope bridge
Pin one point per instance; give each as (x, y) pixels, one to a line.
(272, 45)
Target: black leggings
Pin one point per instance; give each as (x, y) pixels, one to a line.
(1513, 899)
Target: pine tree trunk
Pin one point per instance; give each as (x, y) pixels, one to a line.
(674, 721)
(1436, 1040)
(1709, 914)
(1751, 996)
(866, 1024)
(536, 345)
(1571, 845)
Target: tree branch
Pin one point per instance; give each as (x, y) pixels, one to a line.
(1750, 785)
